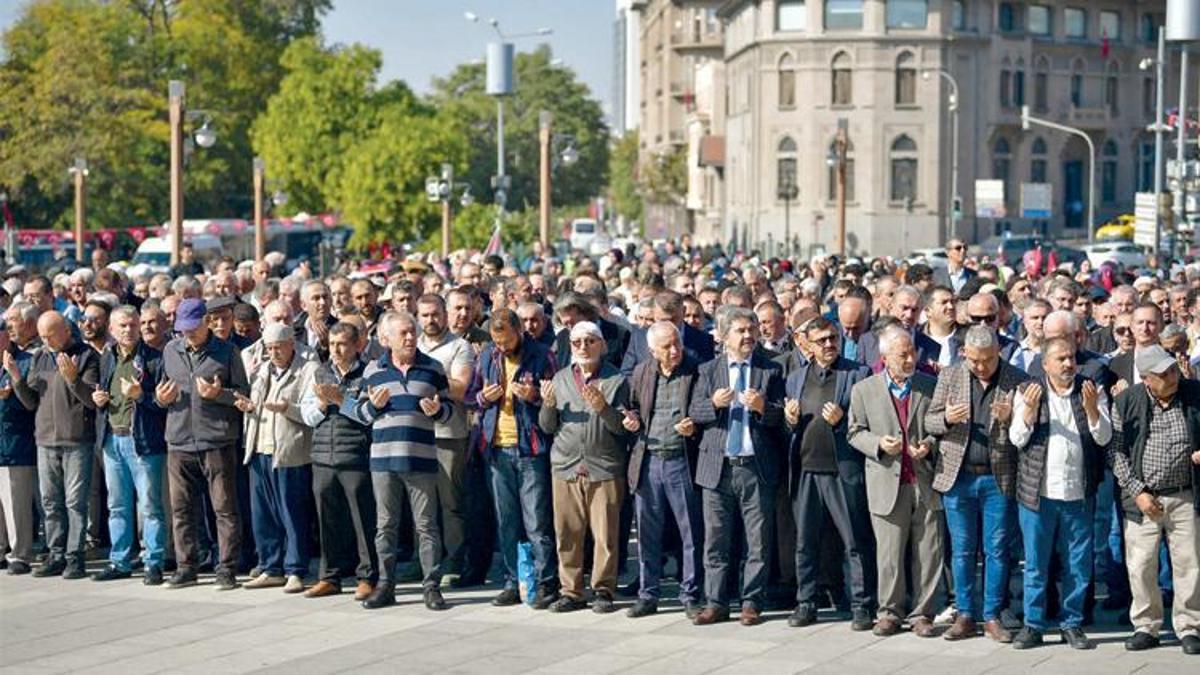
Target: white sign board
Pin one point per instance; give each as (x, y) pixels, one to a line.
(1035, 200)
(1145, 213)
(989, 199)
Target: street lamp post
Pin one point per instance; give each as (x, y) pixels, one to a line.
(1159, 128)
(260, 226)
(787, 192)
(837, 159)
(1027, 119)
(175, 92)
(448, 180)
(952, 106)
(80, 171)
(545, 131)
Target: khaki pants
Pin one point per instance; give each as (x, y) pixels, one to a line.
(910, 522)
(581, 505)
(1142, 540)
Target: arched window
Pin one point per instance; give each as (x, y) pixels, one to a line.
(787, 82)
(1037, 165)
(843, 81)
(1002, 164)
(1041, 84)
(1018, 91)
(1112, 80)
(1005, 83)
(1108, 172)
(1077, 70)
(906, 79)
(903, 158)
(785, 165)
(832, 194)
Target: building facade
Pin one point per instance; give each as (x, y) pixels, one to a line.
(682, 111)
(626, 97)
(795, 69)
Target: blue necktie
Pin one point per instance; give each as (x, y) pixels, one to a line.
(736, 417)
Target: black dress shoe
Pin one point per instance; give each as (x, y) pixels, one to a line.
(384, 595)
(545, 597)
(860, 620)
(110, 573)
(603, 604)
(568, 604)
(152, 577)
(805, 615)
(1141, 641)
(1027, 638)
(51, 568)
(182, 579)
(18, 567)
(507, 598)
(75, 570)
(225, 581)
(434, 600)
(1077, 638)
(642, 608)
(1190, 644)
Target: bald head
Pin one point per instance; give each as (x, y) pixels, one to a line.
(1062, 325)
(52, 328)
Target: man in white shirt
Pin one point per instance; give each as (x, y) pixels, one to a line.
(1060, 426)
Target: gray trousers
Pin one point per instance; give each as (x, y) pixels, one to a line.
(391, 489)
(740, 493)
(910, 522)
(18, 495)
(451, 493)
(65, 476)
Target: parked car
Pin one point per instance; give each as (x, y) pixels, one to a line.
(1127, 254)
(934, 257)
(1009, 250)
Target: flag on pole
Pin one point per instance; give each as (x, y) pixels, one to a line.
(495, 246)
(1105, 47)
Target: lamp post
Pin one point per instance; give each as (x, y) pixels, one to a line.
(550, 158)
(837, 159)
(1027, 120)
(787, 192)
(952, 106)
(260, 226)
(80, 171)
(1159, 128)
(205, 137)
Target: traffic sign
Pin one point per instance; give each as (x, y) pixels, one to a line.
(1036, 200)
(1145, 214)
(989, 199)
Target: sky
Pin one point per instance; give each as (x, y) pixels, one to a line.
(423, 39)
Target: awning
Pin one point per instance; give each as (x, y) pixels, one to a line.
(712, 151)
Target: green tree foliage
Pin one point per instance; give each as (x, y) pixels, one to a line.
(540, 85)
(624, 191)
(86, 78)
(664, 177)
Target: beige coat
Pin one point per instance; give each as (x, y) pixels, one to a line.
(293, 438)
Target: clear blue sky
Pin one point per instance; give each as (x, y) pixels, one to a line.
(421, 39)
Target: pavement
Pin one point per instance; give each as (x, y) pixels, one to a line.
(58, 626)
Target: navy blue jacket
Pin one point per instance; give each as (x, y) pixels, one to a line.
(849, 461)
(149, 425)
(17, 445)
(697, 345)
(537, 365)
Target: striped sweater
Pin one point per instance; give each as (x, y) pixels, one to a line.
(402, 435)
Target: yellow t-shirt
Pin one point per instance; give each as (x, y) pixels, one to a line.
(506, 425)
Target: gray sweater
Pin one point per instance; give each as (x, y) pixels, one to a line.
(66, 415)
(583, 436)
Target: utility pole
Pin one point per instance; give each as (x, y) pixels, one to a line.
(80, 172)
(260, 226)
(175, 92)
(545, 139)
(448, 181)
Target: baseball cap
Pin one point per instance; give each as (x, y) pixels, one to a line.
(219, 303)
(1153, 360)
(190, 314)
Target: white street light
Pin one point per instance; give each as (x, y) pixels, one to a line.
(206, 136)
(570, 155)
(1027, 120)
(471, 16)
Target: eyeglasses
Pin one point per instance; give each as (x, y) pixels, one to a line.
(986, 319)
(1122, 330)
(825, 339)
(957, 247)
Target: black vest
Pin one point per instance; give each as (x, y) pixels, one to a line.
(339, 441)
(1031, 466)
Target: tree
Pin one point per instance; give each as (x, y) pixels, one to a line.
(540, 85)
(624, 191)
(381, 188)
(664, 177)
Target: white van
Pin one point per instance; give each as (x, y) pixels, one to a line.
(583, 231)
(154, 253)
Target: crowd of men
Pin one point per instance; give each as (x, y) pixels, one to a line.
(409, 424)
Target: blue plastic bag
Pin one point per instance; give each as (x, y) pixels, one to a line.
(526, 579)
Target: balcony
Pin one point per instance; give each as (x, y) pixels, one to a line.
(685, 40)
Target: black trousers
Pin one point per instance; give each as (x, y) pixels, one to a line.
(821, 494)
(346, 513)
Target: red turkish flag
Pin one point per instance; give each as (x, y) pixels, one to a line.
(1105, 47)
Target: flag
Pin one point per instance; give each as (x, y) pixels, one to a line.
(495, 246)
(1105, 47)
(8, 216)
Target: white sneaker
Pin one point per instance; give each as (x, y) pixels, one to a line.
(265, 580)
(946, 616)
(294, 584)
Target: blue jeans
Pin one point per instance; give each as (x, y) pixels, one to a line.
(280, 513)
(521, 490)
(665, 488)
(1065, 527)
(134, 481)
(971, 496)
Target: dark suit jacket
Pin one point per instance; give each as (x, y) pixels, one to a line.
(868, 348)
(616, 338)
(849, 460)
(941, 277)
(765, 429)
(1121, 366)
(300, 327)
(697, 345)
(954, 387)
(643, 389)
(1102, 340)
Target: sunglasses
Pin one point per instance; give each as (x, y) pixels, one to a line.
(957, 247)
(987, 318)
(830, 339)
(1122, 330)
